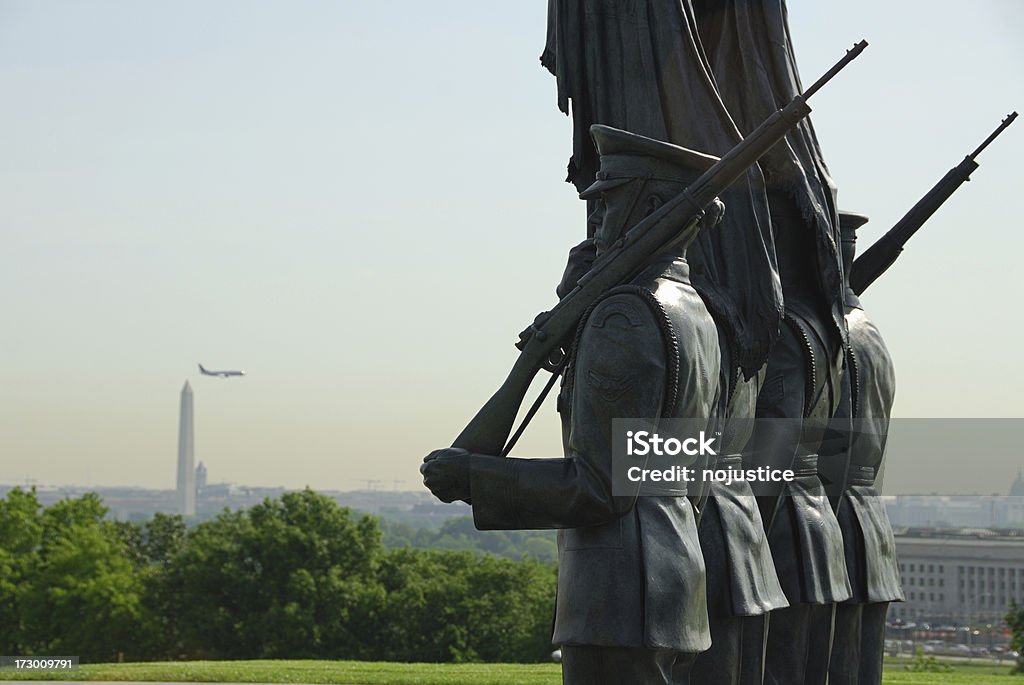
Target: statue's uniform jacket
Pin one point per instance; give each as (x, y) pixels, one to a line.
(630, 568)
(870, 546)
(742, 583)
(730, 519)
(803, 380)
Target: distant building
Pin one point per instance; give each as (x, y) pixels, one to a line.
(200, 479)
(960, 511)
(418, 508)
(959, 576)
(956, 511)
(1017, 489)
(186, 455)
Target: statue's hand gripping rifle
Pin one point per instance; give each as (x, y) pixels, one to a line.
(675, 221)
(881, 255)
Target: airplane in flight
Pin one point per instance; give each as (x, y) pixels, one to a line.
(220, 374)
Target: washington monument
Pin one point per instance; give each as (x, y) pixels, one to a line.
(186, 455)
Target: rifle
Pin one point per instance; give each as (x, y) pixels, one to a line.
(881, 255)
(674, 222)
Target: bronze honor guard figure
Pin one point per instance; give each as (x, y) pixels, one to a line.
(640, 66)
(750, 50)
(631, 604)
(742, 583)
(870, 548)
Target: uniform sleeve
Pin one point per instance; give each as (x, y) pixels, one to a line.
(834, 451)
(619, 372)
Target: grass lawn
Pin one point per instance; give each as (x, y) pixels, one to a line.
(378, 673)
(981, 672)
(342, 672)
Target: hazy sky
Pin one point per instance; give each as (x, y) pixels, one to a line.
(361, 204)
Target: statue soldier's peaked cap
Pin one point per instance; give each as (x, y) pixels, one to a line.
(849, 222)
(626, 156)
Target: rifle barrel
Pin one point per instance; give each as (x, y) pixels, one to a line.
(1002, 127)
(851, 54)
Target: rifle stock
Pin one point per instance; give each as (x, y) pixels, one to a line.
(877, 259)
(674, 222)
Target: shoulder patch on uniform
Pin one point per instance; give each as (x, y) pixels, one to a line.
(608, 310)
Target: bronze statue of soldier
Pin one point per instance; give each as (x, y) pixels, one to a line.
(860, 432)
(631, 604)
(859, 644)
(867, 400)
(800, 393)
(742, 583)
(750, 51)
(653, 79)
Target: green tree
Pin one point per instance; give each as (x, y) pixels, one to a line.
(155, 542)
(1015, 620)
(292, 577)
(459, 534)
(153, 547)
(279, 580)
(82, 597)
(210, 586)
(21, 531)
(454, 606)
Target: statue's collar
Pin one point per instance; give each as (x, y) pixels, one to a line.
(671, 267)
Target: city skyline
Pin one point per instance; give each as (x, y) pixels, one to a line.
(985, 445)
(362, 206)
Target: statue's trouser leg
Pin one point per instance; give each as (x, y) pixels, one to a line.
(737, 650)
(846, 648)
(755, 640)
(587, 665)
(786, 654)
(872, 641)
(720, 665)
(794, 632)
(736, 656)
(819, 643)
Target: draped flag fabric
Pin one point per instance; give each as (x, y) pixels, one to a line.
(639, 65)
